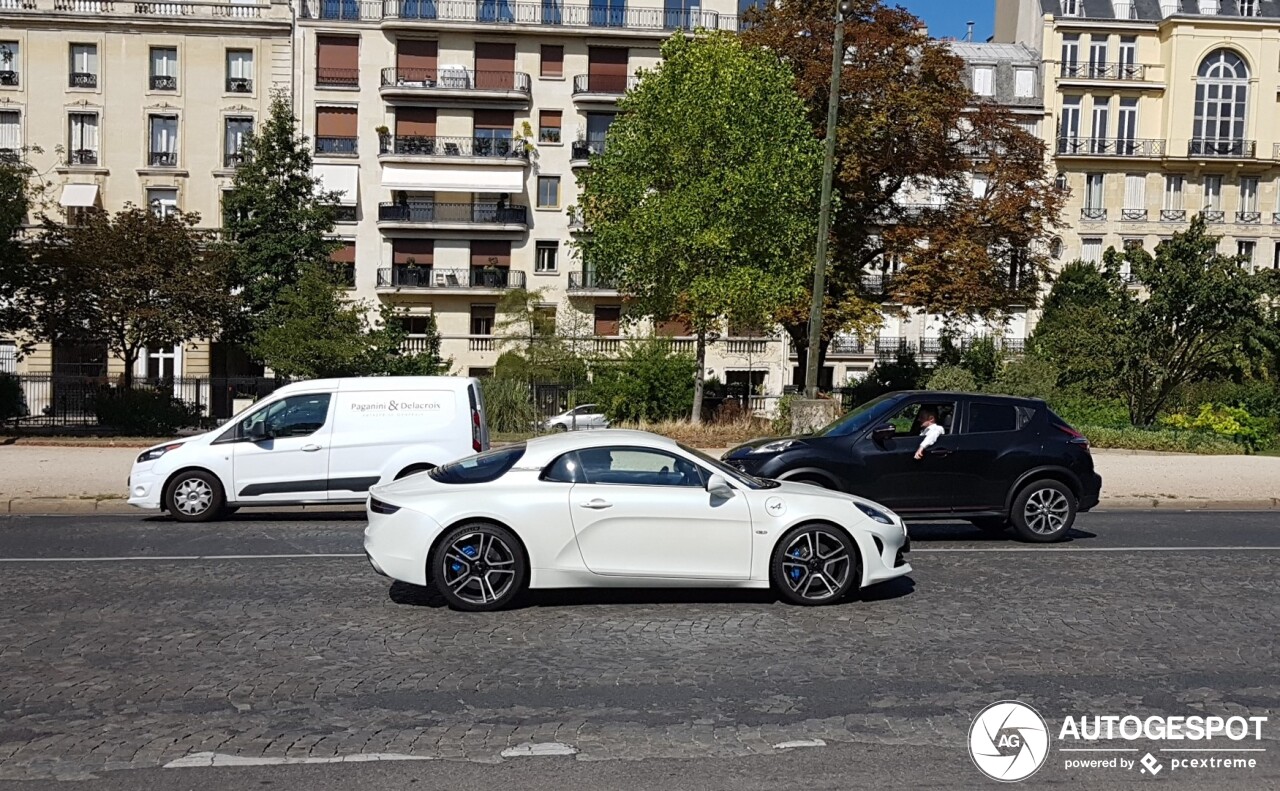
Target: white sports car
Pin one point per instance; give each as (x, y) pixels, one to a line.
(623, 509)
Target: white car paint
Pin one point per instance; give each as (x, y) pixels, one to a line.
(645, 536)
(582, 417)
(373, 429)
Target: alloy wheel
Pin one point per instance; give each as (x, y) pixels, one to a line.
(479, 568)
(193, 496)
(1046, 511)
(816, 565)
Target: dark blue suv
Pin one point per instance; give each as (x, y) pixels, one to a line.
(1001, 462)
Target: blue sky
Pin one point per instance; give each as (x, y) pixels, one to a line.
(948, 17)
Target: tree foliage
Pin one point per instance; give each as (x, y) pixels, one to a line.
(648, 382)
(703, 203)
(539, 342)
(275, 217)
(313, 332)
(132, 280)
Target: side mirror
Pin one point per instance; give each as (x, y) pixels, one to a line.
(882, 433)
(257, 431)
(719, 487)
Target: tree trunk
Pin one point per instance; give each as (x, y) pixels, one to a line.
(130, 357)
(700, 357)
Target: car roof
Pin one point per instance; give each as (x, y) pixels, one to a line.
(542, 450)
(962, 394)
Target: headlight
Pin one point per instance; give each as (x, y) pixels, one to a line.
(777, 446)
(155, 453)
(875, 514)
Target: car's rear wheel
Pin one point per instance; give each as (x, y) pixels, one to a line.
(815, 565)
(1043, 511)
(479, 567)
(195, 496)
(991, 524)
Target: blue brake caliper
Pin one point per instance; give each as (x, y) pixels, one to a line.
(469, 552)
(796, 572)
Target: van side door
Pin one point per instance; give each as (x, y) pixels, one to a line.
(281, 451)
(379, 433)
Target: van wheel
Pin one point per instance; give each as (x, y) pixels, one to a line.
(1043, 511)
(414, 469)
(195, 496)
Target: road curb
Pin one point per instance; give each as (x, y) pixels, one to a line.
(1144, 504)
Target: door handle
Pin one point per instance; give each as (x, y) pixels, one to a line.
(596, 504)
(940, 452)
(311, 448)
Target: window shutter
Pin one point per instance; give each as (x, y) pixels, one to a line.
(335, 122)
(422, 251)
(415, 121)
(552, 60)
(417, 60)
(1025, 86)
(1135, 191)
(495, 119)
(484, 253)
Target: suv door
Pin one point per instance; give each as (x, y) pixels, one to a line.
(991, 451)
(291, 459)
(894, 477)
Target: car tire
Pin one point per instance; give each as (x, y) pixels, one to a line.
(195, 496)
(990, 524)
(479, 567)
(1043, 511)
(796, 573)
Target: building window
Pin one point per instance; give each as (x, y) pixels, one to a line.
(337, 61)
(1128, 60)
(416, 324)
(1091, 250)
(82, 145)
(1222, 88)
(1135, 197)
(1248, 7)
(10, 63)
(1127, 124)
(608, 319)
(163, 150)
(1245, 249)
(1072, 7)
(1101, 123)
(336, 131)
(84, 66)
(1174, 209)
(552, 61)
(980, 184)
(1275, 256)
(239, 71)
(164, 69)
(1069, 125)
(10, 131)
(549, 126)
(482, 318)
(1093, 196)
(343, 261)
(1024, 83)
(548, 192)
(237, 129)
(547, 257)
(163, 202)
(1213, 193)
(1099, 52)
(1071, 56)
(1248, 195)
(984, 80)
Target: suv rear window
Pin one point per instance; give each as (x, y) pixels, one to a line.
(987, 418)
(482, 468)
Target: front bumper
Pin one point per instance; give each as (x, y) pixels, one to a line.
(889, 558)
(145, 487)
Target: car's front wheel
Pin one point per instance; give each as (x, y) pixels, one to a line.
(814, 565)
(195, 496)
(1043, 511)
(479, 567)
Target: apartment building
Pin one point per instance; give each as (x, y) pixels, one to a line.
(1005, 74)
(1160, 109)
(137, 102)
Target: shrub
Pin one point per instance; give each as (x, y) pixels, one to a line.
(143, 411)
(1249, 432)
(1260, 398)
(982, 359)
(13, 403)
(648, 382)
(1080, 410)
(508, 405)
(1131, 438)
(1029, 377)
(954, 378)
(782, 423)
(903, 372)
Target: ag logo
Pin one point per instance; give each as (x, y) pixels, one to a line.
(1008, 741)
(775, 506)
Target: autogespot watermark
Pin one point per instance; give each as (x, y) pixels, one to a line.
(1009, 741)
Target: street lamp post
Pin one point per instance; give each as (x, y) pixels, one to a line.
(824, 210)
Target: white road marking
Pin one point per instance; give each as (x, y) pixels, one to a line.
(791, 745)
(222, 759)
(539, 749)
(131, 558)
(1049, 551)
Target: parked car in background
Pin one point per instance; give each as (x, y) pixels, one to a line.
(585, 416)
(1002, 462)
(623, 508)
(324, 441)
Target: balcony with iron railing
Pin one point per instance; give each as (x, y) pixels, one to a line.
(337, 146)
(1248, 217)
(1214, 216)
(602, 87)
(162, 159)
(547, 13)
(1133, 215)
(1216, 148)
(488, 149)
(434, 278)
(1173, 215)
(239, 85)
(878, 283)
(82, 79)
(1093, 214)
(590, 280)
(460, 215)
(1114, 72)
(164, 82)
(581, 151)
(82, 156)
(1110, 147)
(337, 78)
(233, 159)
(457, 83)
(136, 8)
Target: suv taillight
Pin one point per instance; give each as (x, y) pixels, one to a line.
(1076, 438)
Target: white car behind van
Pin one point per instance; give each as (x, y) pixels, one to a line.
(318, 442)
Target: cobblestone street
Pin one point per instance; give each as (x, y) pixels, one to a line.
(297, 652)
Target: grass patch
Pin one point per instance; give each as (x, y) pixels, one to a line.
(708, 435)
(1157, 440)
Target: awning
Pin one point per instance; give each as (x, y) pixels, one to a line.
(442, 179)
(342, 179)
(79, 195)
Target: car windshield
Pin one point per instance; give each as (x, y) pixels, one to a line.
(749, 481)
(860, 417)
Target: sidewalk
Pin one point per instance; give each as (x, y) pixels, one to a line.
(51, 479)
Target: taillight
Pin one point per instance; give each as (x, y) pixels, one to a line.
(1076, 438)
(475, 430)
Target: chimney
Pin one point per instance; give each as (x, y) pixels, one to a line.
(969, 35)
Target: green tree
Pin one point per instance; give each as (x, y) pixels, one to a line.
(21, 190)
(313, 332)
(535, 348)
(953, 378)
(132, 280)
(1079, 326)
(705, 194)
(1028, 376)
(275, 217)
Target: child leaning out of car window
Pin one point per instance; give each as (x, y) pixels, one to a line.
(929, 429)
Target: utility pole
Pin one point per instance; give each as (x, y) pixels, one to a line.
(824, 210)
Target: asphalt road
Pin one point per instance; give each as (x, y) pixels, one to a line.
(264, 651)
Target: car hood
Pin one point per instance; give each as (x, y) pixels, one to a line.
(409, 486)
(746, 448)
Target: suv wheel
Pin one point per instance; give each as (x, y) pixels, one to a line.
(1043, 511)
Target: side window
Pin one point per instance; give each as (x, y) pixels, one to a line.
(909, 421)
(985, 418)
(566, 469)
(638, 467)
(295, 416)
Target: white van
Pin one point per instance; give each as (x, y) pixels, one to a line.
(325, 441)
